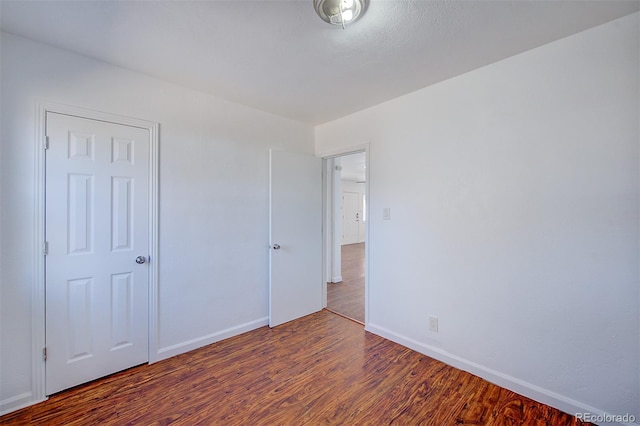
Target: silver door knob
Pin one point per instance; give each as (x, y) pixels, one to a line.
(140, 260)
(276, 246)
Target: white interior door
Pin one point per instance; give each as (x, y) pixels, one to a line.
(295, 285)
(350, 217)
(97, 224)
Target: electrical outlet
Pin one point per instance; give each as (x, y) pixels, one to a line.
(433, 324)
(386, 213)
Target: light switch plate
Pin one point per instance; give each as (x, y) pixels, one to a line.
(433, 324)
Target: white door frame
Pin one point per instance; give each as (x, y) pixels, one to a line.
(328, 226)
(38, 294)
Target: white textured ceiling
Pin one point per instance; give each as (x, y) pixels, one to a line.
(278, 56)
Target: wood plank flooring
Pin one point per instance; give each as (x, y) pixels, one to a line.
(347, 297)
(322, 369)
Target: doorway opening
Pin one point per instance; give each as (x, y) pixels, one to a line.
(346, 239)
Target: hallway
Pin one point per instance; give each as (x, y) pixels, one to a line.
(347, 297)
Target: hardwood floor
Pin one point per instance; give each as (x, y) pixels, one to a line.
(347, 297)
(318, 370)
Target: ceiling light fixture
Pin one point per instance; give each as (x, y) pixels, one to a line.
(339, 12)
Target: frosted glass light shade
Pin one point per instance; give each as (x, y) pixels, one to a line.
(339, 12)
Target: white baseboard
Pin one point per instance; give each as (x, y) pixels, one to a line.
(17, 402)
(336, 279)
(26, 399)
(189, 345)
(514, 384)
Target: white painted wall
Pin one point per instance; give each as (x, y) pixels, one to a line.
(524, 239)
(213, 278)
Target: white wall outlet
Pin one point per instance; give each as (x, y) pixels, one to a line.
(433, 324)
(386, 213)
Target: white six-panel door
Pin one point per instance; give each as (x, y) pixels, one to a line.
(97, 225)
(296, 236)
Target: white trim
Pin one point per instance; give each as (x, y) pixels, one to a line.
(340, 152)
(17, 402)
(367, 238)
(189, 345)
(38, 289)
(38, 298)
(46, 106)
(326, 271)
(154, 264)
(506, 381)
(335, 217)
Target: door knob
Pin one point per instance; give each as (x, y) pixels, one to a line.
(276, 246)
(140, 260)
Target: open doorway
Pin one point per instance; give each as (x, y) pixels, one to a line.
(346, 246)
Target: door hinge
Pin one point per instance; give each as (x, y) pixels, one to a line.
(44, 354)
(46, 142)
(45, 248)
